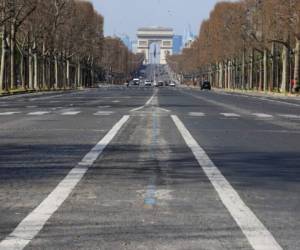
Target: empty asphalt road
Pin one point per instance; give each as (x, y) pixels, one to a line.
(149, 168)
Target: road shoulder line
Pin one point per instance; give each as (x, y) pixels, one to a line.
(257, 234)
(33, 223)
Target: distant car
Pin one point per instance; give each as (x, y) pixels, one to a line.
(155, 84)
(206, 85)
(172, 84)
(136, 81)
(148, 83)
(160, 84)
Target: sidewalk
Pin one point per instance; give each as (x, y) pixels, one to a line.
(260, 93)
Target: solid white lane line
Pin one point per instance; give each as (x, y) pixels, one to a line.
(150, 100)
(45, 97)
(165, 110)
(104, 113)
(9, 113)
(39, 113)
(137, 109)
(196, 114)
(262, 115)
(35, 221)
(257, 234)
(146, 104)
(71, 113)
(230, 115)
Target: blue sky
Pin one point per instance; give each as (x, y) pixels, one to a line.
(126, 16)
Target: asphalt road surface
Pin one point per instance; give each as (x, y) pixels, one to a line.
(144, 168)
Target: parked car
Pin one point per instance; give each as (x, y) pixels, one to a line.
(206, 85)
(160, 84)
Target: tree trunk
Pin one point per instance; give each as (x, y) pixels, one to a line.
(261, 75)
(56, 72)
(225, 74)
(30, 69)
(68, 73)
(243, 69)
(221, 75)
(251, 70)
(297, 64)
(265, 69)
(45, 85)
(273, 68)
(22, 71)
(285, 69)
(12, 44)
(78, 74)
(229, 77)
(3, 59)
(35, 60)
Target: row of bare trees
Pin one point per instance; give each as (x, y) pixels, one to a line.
(54, 44)
(118, 62)
(249, 44)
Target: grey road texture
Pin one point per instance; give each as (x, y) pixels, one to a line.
(149, 168)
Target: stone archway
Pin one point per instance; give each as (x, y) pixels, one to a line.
(158, 35)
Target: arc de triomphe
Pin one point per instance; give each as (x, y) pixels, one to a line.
(162, 36)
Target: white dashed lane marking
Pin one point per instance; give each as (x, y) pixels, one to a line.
(290, 116)
(71, 113)
(230, 115)
(39, 113)
(196, 114)
(9, 113)
(263, 116)
(104, 113)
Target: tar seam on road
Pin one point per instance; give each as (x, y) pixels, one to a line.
(257, 234)
(33, 223)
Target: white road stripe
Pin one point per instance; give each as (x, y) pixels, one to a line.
(39, 113)
(104, 113)
(146, 104)
(44, 97)
(196, 114)
(257, 234)
(150, 100)
(262, 115)
(137, 109)
(230, 115)
(290, 116)
(9, 113)
(71, 113)
(35, 221)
